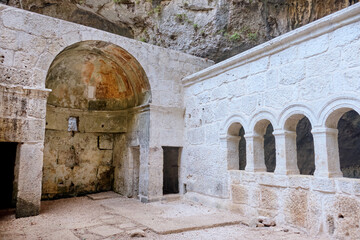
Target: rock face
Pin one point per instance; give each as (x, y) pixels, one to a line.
(214, 29)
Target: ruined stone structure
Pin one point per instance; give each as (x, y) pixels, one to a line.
(110, 103)
(87, 111)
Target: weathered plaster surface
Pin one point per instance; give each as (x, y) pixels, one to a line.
(313, 71)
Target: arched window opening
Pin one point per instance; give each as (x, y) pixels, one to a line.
(269, 149)
(242, 149)
(349, 144)
(233, 142)
(305, 147)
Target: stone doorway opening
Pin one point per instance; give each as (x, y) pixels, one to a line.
(7, 176)
(171, 170)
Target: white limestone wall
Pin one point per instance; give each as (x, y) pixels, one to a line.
(313, 71)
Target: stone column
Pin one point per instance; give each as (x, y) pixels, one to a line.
(286, 155)
(232, 154)
(327, 162)
(152, 182)
(29, 179)
(255, 161)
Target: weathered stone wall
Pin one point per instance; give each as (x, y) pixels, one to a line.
(22, 120)
(313, 71)
(80, 162)
(29, 43)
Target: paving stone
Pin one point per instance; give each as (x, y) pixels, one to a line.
(62, 235)
(106, 231)
(127, 225)
(103, 195)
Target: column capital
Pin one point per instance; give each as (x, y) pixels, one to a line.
(279, 132)
(252, 135)
(321, 130)
(225, 138)
(233, 138)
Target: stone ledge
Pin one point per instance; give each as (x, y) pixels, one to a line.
(25, 91)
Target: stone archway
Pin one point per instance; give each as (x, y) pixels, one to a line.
(90, 114)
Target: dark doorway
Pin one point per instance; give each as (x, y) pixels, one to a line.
(7, 165)
(171, 170)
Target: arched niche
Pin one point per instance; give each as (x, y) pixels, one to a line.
(96, 75)
(94, 85)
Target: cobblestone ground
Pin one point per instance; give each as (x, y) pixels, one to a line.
(85, 218)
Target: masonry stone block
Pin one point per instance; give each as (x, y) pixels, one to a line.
(269, 179)
(316, 87)
(220, 110)
(356, 185)
(345, 185)
(272, 78)
(269, 198)
(9, 39)
(349, 56)
(347, 80)
(323, 185)
(247, 103)
(258, 65)
(296, 206)
(314, 216)
(277, 98)
(105, 142)
(292, 73)
(236, 88)
(314, 47)
(256, 83)
(196, 136)
(287, 55)
(235, 176)
(6, 57)
(324, 63)
(239, 208)
(345, 35)
(220, 92)
(299, 181)
(342, 216)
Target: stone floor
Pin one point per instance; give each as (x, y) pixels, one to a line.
(110, 216)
